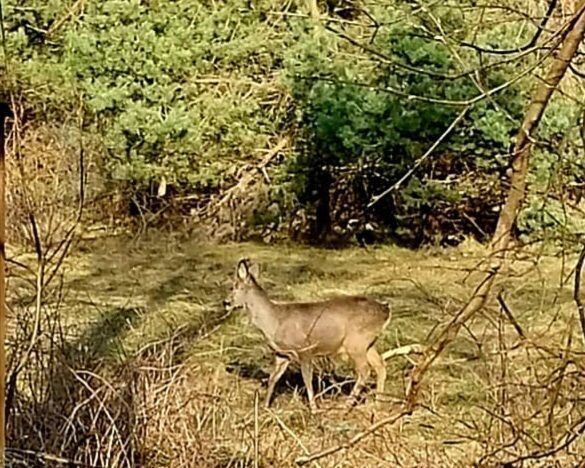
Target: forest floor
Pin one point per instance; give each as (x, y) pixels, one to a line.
(156, 303)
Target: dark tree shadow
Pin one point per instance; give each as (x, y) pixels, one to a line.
(325, 384)
(72, 387)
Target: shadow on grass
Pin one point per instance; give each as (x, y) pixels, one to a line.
(325, 384)
(103, 338)
(76, 410)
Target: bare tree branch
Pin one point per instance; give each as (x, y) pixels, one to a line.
(529, 45)
(571, 436)
(577, 290)
(513, 203)
(448, 102)
(402, 351)
(510, 316)
(576, 71)
(422, 159)
(519, 53)
(388, 60)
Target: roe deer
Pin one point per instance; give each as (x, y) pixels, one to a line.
(301, 331)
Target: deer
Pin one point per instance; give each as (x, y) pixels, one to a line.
(302, 331)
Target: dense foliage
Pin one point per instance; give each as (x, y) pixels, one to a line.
(190, 94)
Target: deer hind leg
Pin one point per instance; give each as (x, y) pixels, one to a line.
(362, 368)
(376, 361)
(307, 373)
(280, 366)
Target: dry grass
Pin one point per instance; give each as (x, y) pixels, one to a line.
(150, 312)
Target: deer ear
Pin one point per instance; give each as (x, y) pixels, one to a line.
(242, 269)
(254, 270)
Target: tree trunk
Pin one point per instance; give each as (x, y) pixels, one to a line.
(573, 36)
(4, 113)
(322, 226)
(521, 153)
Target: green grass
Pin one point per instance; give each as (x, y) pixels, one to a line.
(177, 284)
(183, 285)
(128, 299)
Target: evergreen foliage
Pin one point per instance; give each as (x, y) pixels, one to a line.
(189, 91)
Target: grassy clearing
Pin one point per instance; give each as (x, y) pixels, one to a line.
(156, 305)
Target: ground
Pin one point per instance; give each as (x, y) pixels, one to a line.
(199, 374)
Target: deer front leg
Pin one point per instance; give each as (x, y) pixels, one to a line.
(376, 361)
(363, 371)
(280, 365)
(307, 372)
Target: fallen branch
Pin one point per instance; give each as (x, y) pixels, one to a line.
(403, 350)
(74, 10)
(247, 177)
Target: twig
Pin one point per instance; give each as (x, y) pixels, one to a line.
(61, 21)
(354, 440)
(529, 45)
(273, 152)
(256, 435)
(329, 20)
(576, 71)
(245, 179)
(39, 295)
(46, 457)
(475, 225)
(422, 159)
(510, 316)
(572, 434)
(450, 102)
(289, 431)
(204, 333)
(577, 290)
(389, 61)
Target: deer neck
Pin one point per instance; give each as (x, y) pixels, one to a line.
(262, 311)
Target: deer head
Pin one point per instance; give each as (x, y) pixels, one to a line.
(245, 286)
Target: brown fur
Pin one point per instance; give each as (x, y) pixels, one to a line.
(301, 331)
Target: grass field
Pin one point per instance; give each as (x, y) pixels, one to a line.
(147, 317)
